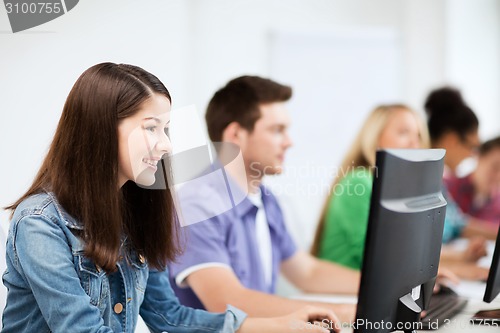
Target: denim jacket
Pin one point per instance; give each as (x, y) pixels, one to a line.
(53, 287)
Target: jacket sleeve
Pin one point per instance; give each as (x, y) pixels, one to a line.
(41, 255)
(162, 311)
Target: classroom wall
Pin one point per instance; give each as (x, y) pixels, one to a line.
(472, 57)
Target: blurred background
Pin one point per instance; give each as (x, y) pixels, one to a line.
(341, 57)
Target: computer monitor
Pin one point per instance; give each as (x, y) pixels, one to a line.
(403, 240)
(493, 282)
(491, 317)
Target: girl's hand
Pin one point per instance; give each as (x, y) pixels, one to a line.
(316, 319)
(308, 319)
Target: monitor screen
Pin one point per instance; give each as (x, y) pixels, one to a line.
(493, 282)
(403, 241)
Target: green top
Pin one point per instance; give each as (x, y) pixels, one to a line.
(346, 220)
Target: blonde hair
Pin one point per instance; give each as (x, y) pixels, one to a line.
(363, 150)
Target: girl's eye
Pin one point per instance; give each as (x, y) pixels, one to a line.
(167, 131)
(151, 128)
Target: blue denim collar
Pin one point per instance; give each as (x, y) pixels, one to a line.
(69, 221)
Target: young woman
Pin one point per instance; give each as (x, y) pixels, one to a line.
(454, 127)
(89, 242)
(341, 232)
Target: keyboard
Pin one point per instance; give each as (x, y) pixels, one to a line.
(444, 305)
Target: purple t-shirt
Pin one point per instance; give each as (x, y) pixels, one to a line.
(229, 238)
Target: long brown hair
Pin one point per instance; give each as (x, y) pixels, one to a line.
(362, 153)
(81, 169)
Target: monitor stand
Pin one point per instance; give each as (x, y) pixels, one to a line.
(408, 311)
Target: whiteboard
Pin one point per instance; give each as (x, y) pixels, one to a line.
(338, 77)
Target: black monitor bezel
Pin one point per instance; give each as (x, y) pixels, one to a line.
(408, 310)
(493, 282)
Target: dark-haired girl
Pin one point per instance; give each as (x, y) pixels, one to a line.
(88, 242)
(454, 127)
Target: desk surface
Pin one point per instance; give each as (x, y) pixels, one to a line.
(473, 291)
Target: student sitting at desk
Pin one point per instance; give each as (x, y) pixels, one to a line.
(88, 242)
(478, 194)
(235, 257)
(454, 127)
(341, 232)
(340, 236)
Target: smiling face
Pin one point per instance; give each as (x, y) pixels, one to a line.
(402, 131)
(143, 140)
(458, 147)
(467, 146)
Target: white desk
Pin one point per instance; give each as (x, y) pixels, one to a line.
(473, 291)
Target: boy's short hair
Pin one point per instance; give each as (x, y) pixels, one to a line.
(239, 101)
